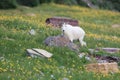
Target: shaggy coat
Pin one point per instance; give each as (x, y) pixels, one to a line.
(74, 33)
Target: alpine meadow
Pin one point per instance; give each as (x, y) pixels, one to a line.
(102, 28)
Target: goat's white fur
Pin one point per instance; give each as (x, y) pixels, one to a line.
(74, 33)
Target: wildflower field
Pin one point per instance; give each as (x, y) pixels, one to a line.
(65, 64)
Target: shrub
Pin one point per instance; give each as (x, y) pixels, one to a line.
(68, 2)
(30, 3)
(82, 3)
(7, 4)
(116, 4)
(111, 4)
(46, 1)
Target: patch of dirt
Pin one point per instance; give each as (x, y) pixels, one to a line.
(116, 26)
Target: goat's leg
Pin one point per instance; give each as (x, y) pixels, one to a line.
(81, 41)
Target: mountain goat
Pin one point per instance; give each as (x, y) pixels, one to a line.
(74, 33)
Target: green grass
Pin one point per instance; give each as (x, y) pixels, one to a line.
(15, 39)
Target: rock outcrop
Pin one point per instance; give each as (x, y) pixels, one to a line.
(61, 41)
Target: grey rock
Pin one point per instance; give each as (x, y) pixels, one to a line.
(32, 32)
(61, 41)
(81, 55)
(102, 61)
(88, 58)
(108, 50)
(65, 78)
(38, 52)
